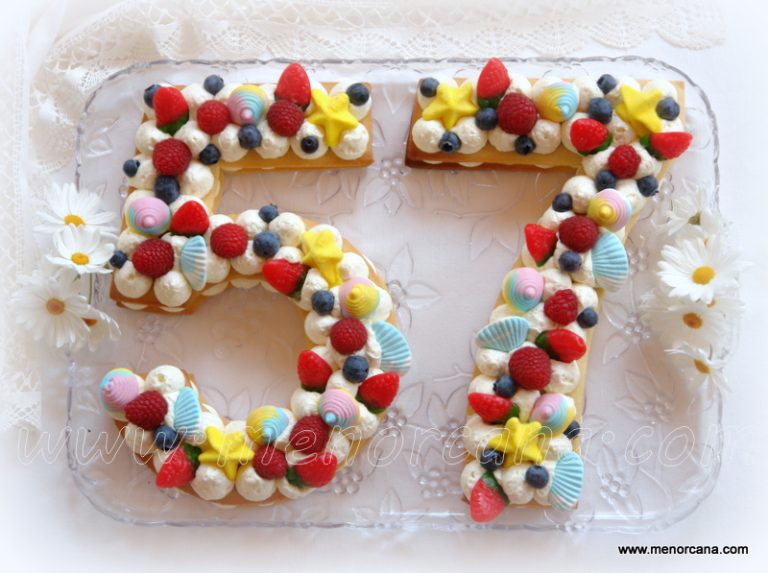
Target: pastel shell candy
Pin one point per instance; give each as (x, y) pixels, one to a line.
(504, 335)
(523, 288)
(567, 481)
(395, 351)
(558, 102)
(610, 209)
(148, 216)
(610, 264)
(339, 408)
(554, 412)
(194, 262)
(265, 424)
(187, 413)
(118, 387)
(246, 104)
(358, 297)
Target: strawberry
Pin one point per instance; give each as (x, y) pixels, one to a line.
(530, 368)
(212, 116)
(177, 470)
(147, 410)
(316, 470)
(153, 258)
(493, 409)
(516, 114)
(310, 434)
(492, 83)
(293, 86)
(578, 233)
(313, 371)
(284, 276)
(624, 162)
(171, 157)
(269, 462)
(190, 219)
(667, 145)
(562, 307)
(171, 109)
(589, 136)
(285, 118)
(487, 499)
(541, 242)
(348, 335)
(378, 391)
(561, 344)
(229, 240)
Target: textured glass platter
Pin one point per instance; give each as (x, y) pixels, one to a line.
(443, 240)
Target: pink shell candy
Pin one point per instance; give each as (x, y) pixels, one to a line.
(149, 216)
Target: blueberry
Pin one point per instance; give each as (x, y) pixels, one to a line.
(309, 144)
(563, 202)
(268, 213)
(648, 186)
(167, 188)
(605, 180)
(266, 244)
(213, 84)
(504, 386)
(606, 83)
(119, 258)
(600, 109)
(667, 108)
(249, 136)
(149, 94)
(486, 119)
(537, 476)
(358, 94)
(491, 460)
(209, 155)
(573, 430)
(355, 368)
(323, 301)
(166, 438)
(449, 142)
(570, 261)
(587, 318)
(131, 167)
(524, 145)
(428, 87)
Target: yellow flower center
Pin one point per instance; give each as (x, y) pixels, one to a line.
(75, 220)
(55, 306)
(80, 258)
(693, 320)
(701, 367)
(703, 275)
(90, 321)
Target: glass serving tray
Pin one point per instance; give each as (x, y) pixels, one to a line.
(443, 241)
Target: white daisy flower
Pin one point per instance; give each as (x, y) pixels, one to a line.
(699, 269)
(693, 212)
(67, 206)
(82, 249)
(100, 329)
(700, 366)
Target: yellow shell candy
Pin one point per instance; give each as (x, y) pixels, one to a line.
(358, 298)
(266, 423)
(558, 102)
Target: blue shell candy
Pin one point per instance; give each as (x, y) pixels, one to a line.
(610, 264)
(504, 335)
(558, 102)
(265, 424)
(567, 481)
(194, 262)
(186, 412)
(395, 351)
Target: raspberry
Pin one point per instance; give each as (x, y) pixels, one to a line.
(147, 410)
(530, 368)
(270, 462)
(589, 136)
(315, 471)
(310, 434)
(578, 233)
(624, 162)
(212, 117)
(562, 307)
(153, 258)
(348, 335)
(285, 118)
(229, 240)
(190, 219)
(379, 391)
(516, 114)
(171, 157)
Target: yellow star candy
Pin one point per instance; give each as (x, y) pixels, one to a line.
(227, 451)
(638, 109)
(451, 104)
(519, 442)
(332, 114)
(322, 252)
